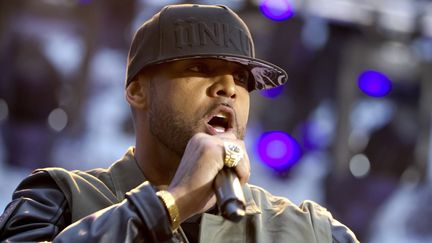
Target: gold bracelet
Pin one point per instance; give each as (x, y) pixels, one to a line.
(170, 205)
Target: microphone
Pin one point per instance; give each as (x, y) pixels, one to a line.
(229, 195)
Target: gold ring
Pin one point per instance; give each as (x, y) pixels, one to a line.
(233, 154)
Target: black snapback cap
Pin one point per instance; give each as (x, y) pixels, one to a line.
(188, 31)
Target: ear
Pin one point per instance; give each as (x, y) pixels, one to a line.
(136, 93)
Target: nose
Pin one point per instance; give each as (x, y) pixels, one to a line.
(223, 86)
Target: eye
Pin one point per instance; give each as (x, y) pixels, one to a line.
(198, 68)
(241, 77)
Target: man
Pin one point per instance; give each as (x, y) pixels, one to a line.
(190, 71)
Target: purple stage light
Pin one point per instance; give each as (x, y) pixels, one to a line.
(276, 9)
(278, 150)
(84, 2)
(273, 92)
(374, 83)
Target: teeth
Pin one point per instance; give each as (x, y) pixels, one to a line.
(219, 129)
(220, 122)
(221, 115)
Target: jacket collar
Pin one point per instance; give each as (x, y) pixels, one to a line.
(126, 175)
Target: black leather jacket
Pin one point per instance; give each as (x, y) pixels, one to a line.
(118, 205)
(101, 205)
(42, 213)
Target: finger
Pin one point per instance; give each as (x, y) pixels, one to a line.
(227, 135)
(243, 169)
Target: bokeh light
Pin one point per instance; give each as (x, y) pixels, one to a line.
(316, 135)
(359, 165)
(374, 83)
(278, 10)
(278, 150)
(273, 92)
(57, 119)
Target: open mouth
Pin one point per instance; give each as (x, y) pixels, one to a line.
(221, 122)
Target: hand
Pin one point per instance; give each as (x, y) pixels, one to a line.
(192, 185)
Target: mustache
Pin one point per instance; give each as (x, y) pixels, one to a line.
(240, 131)
(215, 106)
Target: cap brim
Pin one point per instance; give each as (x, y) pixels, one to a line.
(266, 75)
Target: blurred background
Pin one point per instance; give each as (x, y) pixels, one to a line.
(350, 130)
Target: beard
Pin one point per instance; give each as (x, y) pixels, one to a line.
(170, 129)
(173, 128)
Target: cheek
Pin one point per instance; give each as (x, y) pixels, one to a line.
(243, 109)
(245, 114)
(185, 99)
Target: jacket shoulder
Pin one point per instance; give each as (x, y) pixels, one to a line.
(68, 180)
(38, 210)
(265, 199)
(86, 191)
(307, 219)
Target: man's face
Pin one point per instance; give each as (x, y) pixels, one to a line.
(197, 95)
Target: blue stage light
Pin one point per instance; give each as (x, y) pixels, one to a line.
(278, 150)
(273, 92)
(374, 83)
(276, 9)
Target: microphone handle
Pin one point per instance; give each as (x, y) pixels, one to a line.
(229, 195)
